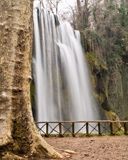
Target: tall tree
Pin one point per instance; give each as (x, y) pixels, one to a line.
(18, 133)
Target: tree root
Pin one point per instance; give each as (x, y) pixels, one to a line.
(40, 148)
(11, 156)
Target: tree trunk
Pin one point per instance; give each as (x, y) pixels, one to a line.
(18, 133)
(79, 6)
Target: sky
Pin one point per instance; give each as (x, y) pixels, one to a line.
(64, 4)
(64, 7)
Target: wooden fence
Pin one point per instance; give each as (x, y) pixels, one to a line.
(81, 128)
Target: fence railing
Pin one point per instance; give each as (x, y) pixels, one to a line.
(81, 128)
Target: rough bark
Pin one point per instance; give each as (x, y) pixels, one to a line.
(18, 133)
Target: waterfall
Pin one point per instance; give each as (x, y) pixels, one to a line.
(63, 90)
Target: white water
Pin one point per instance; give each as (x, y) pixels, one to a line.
(61, 75)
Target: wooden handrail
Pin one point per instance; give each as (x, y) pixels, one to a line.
(96, 121)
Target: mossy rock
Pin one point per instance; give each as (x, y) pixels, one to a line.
(112, 116)
(117, 128)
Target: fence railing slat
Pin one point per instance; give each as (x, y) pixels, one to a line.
(73, 129)
(111, 128)
(99, 128)
(125, 128)
(47, 129)
(60, 129)
(87, 128)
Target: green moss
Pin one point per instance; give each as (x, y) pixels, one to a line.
(95, 61)
(117, 128)
(112, 116)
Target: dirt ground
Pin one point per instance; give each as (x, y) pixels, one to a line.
(93, 148)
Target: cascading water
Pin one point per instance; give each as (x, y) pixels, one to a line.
(63, 89)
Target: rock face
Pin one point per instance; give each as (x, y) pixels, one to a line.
(104, 38)
(18, 133)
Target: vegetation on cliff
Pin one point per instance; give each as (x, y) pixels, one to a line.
(104, 32)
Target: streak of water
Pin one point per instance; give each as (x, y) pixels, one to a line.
(63, 89)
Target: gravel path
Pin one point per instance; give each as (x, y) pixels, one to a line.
(93, 148)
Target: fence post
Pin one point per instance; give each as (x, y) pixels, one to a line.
(60, 129)
(99, 129)
(47, 129)
(73, 129)
(125, 128)
(111, 128)
(87, 128)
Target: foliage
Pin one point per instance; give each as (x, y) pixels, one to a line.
(123, 15)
